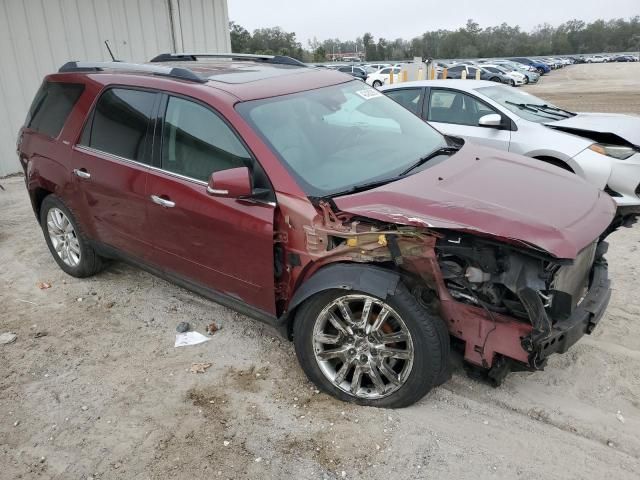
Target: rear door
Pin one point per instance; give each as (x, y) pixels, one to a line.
(222, 244)
(457, 113)
(110, 168)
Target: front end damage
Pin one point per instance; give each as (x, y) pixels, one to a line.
(509, 306)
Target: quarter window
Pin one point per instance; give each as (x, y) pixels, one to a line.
(409, 98)
(51, 107)
(120, 122)
(197, 142)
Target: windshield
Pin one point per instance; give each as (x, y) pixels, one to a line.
(336, 138)
(524, 104)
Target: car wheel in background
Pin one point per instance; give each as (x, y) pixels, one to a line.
(495, 79)
(512, 83)
(362, 349)
(68, 245)
(377, 83)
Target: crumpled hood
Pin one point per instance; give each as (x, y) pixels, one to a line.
(626, 127)
(495, 193)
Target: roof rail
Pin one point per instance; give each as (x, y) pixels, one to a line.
(192, 57)
(173, 72)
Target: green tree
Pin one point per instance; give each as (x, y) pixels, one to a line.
(240, 38)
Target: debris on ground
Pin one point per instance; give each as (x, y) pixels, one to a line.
(8, 337)
(213, 327)
(43, 285)
(199, 367)
(619, 416)
(40, 334)
(183, 327)
(110, 304)
(190, 338)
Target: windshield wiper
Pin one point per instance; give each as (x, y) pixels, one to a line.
(364, 186)
(422, 160)
(532, 107)
(555, 109)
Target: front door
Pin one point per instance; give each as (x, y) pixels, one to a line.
(456, 113)
(222, 244)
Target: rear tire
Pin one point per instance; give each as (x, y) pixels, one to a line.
(66, 241)
(377, 83)
(494, 79)
(408, 365)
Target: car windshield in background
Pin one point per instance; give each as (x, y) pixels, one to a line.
(343, 137)
(525, 105)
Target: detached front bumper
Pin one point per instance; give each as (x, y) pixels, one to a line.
(583, 320)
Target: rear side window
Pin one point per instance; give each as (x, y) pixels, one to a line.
(120, 122)
(51, 107)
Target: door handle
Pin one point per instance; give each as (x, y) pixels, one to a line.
(162, 202)
(81, 173)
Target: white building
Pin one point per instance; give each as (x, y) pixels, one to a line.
(37, 37)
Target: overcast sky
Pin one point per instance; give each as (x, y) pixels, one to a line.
(348, 19)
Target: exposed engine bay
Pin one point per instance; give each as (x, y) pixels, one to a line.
(495, 277)
(510, 304)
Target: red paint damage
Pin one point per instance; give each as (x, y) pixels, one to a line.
(493, 193)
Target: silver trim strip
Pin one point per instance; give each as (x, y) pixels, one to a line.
(140, 164)
(217, 191)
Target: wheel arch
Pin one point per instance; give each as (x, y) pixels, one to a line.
(371, 279)
(555, 161)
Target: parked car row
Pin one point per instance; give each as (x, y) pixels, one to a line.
(368, 229)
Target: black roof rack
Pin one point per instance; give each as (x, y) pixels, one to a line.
(192, 57)
(173, 72)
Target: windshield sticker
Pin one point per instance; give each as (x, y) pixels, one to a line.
(369, 93)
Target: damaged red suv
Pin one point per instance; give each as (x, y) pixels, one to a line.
(306, 199)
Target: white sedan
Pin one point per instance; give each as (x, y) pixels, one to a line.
(381, 77)
(517, 78)
(602, 148)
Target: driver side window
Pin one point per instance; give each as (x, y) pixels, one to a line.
(449, 106)
(196, 142)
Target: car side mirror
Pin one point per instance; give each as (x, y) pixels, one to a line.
(493, 120)
(231, 183)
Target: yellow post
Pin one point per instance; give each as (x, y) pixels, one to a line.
(478, 74)
(391, 77)
(404, 75)
(463, 75)
(444, 72)
(431, 71)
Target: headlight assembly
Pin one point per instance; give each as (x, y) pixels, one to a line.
(616, 151)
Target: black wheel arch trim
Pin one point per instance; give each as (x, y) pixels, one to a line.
(370, 279)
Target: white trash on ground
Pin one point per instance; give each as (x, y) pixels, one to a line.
(190, 338)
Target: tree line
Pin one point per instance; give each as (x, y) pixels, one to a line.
(469, 41)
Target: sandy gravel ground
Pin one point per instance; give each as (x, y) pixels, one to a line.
(93, 387)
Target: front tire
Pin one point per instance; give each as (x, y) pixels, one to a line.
(67, 243)
(377, 83)
(362, 349)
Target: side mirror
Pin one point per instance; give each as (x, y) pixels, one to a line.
(493, 120)
(231, 183)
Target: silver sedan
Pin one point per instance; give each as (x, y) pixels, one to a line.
(602, 148)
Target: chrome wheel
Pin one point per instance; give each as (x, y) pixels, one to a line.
(63, 237)
(363, 346)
